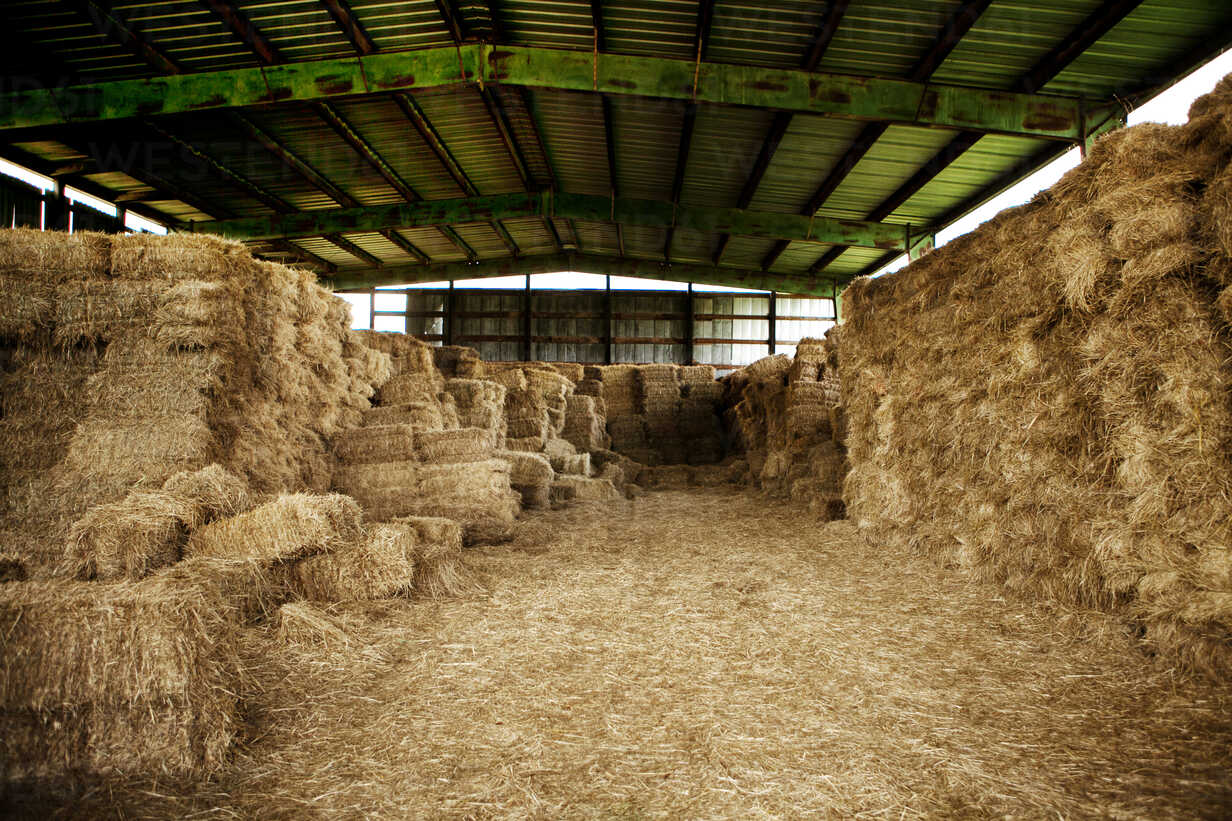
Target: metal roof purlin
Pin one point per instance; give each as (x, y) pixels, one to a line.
(782, 119)
(701, 34)
(861, 98)
(247, 33)
(436, 144)
(351, 27)
(500, 118)
(609, 139)
(951, 33)
(1083, 36)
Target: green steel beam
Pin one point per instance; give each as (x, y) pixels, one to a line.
(546, 204)
(860, 98)
(582, 263)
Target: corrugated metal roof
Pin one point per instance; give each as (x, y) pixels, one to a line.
(560, 135)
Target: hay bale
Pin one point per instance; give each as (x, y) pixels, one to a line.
(437, 557)
(527, 468)
(457, 361)
(130, 538)
(378, 566)
(536, 427)
(410, 387)
(376, 443)
(148, 450)
(455, 446)
(583, 489)
(291, 526)
(419, 415)
(584, 427)
(127, 678)
(1055, 418)
(512, 379)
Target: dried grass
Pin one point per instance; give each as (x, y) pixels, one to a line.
(751, 671)
(291, 526)
(376, 443)
(135, 677)
(378, 566)
(455, 446)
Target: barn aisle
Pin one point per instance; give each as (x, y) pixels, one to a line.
(709, 654)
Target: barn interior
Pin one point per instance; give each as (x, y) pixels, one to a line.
(543, 408)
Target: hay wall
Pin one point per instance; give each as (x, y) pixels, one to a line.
(1047, 402)
(129, 358)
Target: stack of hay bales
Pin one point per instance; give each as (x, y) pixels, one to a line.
(701, 431)
(136, 357)
(784, 411)
(658, 401)
(655, 414)
(480, 404)
(531, 475)
(1046, 401)
(585, 423)
(457, 361)
(396, 470)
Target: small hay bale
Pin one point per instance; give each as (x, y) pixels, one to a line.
(525, 444)
(213, 492)
(409, 387)
(582, 489)
(534, 427)
(292, 526)
(455, 446)
(378, 566)
(577, 464)
(149, 449)
(131, 677)
(250, 589)
(438, 555)
(419, 415)
(351, 479)
(512, 379)
(180, 256)
(130, 538)
(378, 443)
(527, 468)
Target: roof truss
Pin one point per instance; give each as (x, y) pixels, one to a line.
(859, 98)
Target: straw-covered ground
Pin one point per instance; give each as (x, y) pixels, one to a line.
(706, 654)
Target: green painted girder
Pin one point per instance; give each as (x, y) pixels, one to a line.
(861, 98)
(622, 210)
(585, 264)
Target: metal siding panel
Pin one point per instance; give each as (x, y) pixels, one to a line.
(402, 25)
(809, 150)
(647, 133)
(554, 24)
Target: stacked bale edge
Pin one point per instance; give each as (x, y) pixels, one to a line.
(1046, 401)
(785, 416)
